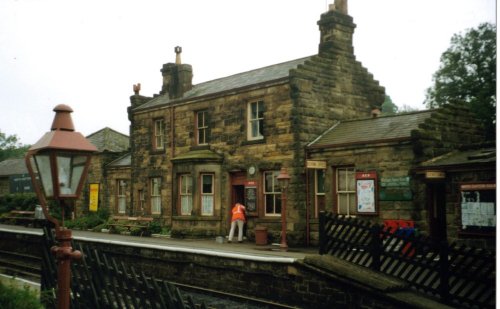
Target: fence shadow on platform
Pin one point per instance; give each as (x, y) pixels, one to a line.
(458, 275)
(100, 282)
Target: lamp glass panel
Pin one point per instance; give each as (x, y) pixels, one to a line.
(70, 169)
(42, 163)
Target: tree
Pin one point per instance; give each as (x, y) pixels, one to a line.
(388, 107)
(468, 74)
(10, 147)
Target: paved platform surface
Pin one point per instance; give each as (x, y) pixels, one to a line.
(246, 250)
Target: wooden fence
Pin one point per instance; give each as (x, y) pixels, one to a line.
(100, 282)
(458, 275)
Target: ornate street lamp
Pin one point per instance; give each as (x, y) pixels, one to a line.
(283, 180)
(60, 159)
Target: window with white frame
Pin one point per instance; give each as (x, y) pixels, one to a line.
(141, 201)
(121, 195)
(319, 191)
(186, 194)
(158, 138)
(207, 194)
(156, 195)
(202, 127)
(272, 193)
(255, 120)
(346, 190)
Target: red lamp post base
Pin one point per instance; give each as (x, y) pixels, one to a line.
(64, 255)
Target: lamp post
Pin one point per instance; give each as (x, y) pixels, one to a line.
(60, 159)
(283, 180)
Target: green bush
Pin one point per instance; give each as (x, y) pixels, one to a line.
(12, 297)
(18, 201)
(155, 227)
(89, 221)
(138, 231)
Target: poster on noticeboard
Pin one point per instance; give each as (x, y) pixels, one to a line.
(366, 189)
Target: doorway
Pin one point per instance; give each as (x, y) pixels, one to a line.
(238, 180)
(436, 206)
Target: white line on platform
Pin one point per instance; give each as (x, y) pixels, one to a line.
(224, 254)
(241, 256)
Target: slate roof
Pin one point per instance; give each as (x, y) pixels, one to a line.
(479, 156)
(233, 82)
(123, 161)
(13, 167)
(110, 140)
(369, 130)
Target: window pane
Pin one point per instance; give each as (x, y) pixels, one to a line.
(155, 186)
(260, 108)
(121, 204)
(320, 202)
(343, 204)
(253, 112)
(277, 202)
(347, 204)
(44, 172)
(260, 124)
(186, 184)
(352, 204)
(269, 204)
(186, 205)
(158, 134)
(155, 204)
(207, 205)
(351, 185)
(341, 180)
(255, 128)
(320, 181)
(201, 119)
(207, 183)
(268, 182)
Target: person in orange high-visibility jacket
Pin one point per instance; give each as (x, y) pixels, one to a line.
(238, 218)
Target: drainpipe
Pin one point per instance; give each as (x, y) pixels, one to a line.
(172, 151)
(308, 236)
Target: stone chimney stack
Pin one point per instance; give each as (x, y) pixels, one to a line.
(336, 29)
(177, 77)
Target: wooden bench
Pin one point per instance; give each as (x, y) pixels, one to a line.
(25, 217)
(130, 222)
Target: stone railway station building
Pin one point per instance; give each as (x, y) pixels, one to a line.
(195, 150)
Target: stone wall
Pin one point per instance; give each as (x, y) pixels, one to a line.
(450, 127)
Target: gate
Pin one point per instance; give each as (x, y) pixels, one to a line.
(458, 275)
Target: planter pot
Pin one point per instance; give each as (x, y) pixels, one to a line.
(160, 236)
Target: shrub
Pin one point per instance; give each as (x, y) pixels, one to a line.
(12, 297)
(155, 227)
(89, 221)
(18, 201)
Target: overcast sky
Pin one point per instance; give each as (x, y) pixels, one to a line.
(88, 54)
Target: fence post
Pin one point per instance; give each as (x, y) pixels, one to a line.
(375, 246)
(444, 286)
(322, 233)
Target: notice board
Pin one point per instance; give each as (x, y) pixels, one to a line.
(251, 199)
(366, 190)
(478, 207)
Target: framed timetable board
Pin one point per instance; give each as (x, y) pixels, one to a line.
(478, 207)
(366, 192)
(251, 200)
